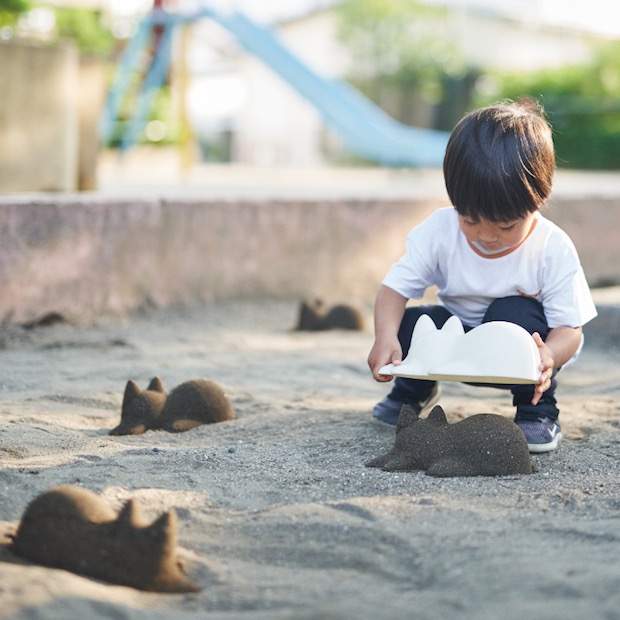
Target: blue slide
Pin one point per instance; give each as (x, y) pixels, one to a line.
(363, 126)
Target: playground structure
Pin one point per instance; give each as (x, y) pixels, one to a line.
(364, 128)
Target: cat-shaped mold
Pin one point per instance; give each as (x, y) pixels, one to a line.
(493, 352)
(484, 444)
(314, 316)
(190, 404)
(72, 528)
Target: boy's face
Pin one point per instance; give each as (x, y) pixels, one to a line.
(495, 237)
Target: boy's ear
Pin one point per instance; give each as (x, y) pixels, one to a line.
(437, 416)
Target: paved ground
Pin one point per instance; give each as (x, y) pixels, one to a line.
(605, 328)
(160, 172)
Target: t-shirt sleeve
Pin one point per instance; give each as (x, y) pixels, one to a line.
(416, 269)
(566, 297)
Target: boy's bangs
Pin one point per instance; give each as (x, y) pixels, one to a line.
(491, 196)
(492, 207)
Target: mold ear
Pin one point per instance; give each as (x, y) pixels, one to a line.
(437, 416)
(424, 325)
(132, 389)
(453, 326)
(156, 385)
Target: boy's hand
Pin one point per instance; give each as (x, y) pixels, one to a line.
(389, 310)
(382, 354)
(546, 367)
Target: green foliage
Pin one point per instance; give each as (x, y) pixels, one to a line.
(162, 109)
(10, 11)
(582, 104)
(397, 42)
(405, 60)
(85, 28)
(14, 6)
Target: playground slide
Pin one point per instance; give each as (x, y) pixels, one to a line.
(364, 127)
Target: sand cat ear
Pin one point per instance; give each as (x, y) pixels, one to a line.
(166, 521)
(156, 385)
(164, 528)
(132, 389)
(437, 416)
(130, 514)
(408, 415)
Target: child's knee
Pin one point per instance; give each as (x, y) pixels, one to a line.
(517, 309)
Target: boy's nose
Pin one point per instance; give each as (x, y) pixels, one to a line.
(486, 235)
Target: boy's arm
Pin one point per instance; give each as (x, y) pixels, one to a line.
(561, 344)
(389, 310)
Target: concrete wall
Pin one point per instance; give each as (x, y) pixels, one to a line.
(49, 115)
(85, 256)
(91, 99)
(592, 223)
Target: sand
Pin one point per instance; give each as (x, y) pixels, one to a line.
(278, 518)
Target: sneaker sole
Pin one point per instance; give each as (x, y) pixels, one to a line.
(538, 448)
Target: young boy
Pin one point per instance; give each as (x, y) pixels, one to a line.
(493, 257)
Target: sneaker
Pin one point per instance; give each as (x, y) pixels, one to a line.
(542, 435)
(388, 410)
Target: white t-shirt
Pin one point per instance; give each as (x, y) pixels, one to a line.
(545, 266)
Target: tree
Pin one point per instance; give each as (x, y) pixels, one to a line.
(581, 102)
(85, 28)
(399, 46)
(10, 10)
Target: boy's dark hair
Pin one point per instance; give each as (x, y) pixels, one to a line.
(499, 162)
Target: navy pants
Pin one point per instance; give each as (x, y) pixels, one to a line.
(524, 311)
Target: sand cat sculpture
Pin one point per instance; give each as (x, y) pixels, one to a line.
(314, 316)
(484, 444)
(72, 528)
(190, 404)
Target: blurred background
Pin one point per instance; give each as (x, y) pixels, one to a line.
(98, 95)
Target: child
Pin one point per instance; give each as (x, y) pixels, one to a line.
(493, 257)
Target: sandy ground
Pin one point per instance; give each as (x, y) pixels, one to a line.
(278, 516)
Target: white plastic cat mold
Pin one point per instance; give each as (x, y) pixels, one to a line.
(494, 352)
